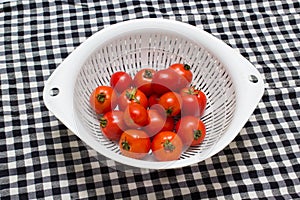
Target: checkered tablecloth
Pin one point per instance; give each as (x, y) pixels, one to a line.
(41, 159)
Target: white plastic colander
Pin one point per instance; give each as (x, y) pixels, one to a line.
(232, 85)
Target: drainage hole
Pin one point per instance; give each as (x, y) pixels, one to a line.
(54, 92)
(253, 79)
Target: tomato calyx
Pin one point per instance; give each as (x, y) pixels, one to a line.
(197, 134)
(131, 95)
(191, 90)
(125, 145)
(101, 97)
(169, 111)
(147, 74)
(186, 67)
(103, 122)
(168, 146)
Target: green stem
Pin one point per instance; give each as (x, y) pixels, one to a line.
(168, 146)
(197, 134)
(125, 145)
(101, 97)
(103, 122)
(169, 111)
(147, 74)
(131, 95)
(186, 67)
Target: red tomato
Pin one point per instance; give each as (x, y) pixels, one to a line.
(134, 143)
(156, 122)
(120, 81)
(153, 99)
(166, 146)
(190, 106)
(202, 101)
(142, 80)
(201, 97)
(171, 102)
(169, 124)
(191, 130)
(112, 125)
(132, 95)
(167, 80)
(183, 70)
(103, 99)
(135, 116)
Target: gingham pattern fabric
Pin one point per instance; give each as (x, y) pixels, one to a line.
(41, 159)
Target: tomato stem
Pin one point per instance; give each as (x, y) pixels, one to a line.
(147, 74)
(186, 67)
(197, 134)
(103, 122)
(192, 90)
(101, 97)
(168, 146)
(125, 145)
(131, 95)
(169, 111)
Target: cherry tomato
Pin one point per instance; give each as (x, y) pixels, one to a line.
(120, 81)
(191, 130)
(183, 70)
(171, 102)
(166, 146)
(132, 95)
(112, 125)
(142, 80)
(201, 97)
(103, 99)
(169, 124)
(202, 101)
(134, 143)
(190, 106)
(156, 122)
(135, 116)
(167, 80)
(153, 99)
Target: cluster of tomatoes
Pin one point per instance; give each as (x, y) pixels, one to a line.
(154, 110)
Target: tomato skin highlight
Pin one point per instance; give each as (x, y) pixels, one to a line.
(191, 130)
(103, 99)
(112, 125)
(183, 70)
(132, 95)
(120, 81)
(166, 146)
(171, 102)
(135, 116)
(134, 143)
(143, 79)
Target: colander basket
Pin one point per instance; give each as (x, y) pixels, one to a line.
(233, 86)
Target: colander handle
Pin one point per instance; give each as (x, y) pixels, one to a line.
(58, 93)
(59, 88)
(246, 102)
